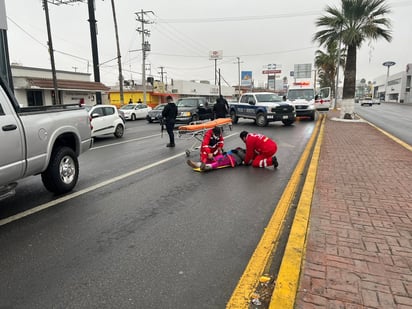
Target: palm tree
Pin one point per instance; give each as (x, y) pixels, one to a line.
(355, 22)
(326, 63)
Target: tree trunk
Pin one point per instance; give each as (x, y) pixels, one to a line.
(349, 84)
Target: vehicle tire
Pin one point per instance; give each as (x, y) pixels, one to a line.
(234, 118)
(312, 116)
(195, 118)
(149, 120)
(288, 122)
(119, 131)
(133, 117)
(261, 120)
(62, 172)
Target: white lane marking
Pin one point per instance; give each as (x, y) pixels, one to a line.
(124, 142)
(84, 191)
(91, 188)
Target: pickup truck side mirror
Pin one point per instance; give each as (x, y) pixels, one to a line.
(316, 97)
(284, 98)
(251, 102)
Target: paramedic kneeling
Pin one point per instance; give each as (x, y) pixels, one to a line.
(212, 145)
(260, 150)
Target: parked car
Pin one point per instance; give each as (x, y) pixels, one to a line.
(156, 113)
(135, 111)
(192, 109)
(121, 114)
(106, 120)
(44, 140)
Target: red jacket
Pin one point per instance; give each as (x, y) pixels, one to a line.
(210, 144)
(258, 144)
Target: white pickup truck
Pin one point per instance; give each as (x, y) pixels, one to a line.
(263, 107)
(44, 140)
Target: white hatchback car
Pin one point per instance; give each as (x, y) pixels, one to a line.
(105, 119)
(133, 111)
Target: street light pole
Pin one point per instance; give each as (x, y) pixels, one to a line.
(387, 64)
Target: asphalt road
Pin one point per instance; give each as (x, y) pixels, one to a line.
(141, 229)
(395, 118)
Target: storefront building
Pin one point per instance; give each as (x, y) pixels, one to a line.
(34, 87)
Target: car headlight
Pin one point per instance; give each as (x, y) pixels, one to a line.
(185, 114)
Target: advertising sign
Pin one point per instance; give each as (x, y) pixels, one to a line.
(303, 70)
(271, 71)
(246, 78)
(215, 55)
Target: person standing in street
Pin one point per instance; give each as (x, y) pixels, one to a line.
(221, 108)
(260, 150)
(169, 115)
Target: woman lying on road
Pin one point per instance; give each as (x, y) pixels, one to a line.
(231, 158)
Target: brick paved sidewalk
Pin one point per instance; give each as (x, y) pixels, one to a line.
(359, 248)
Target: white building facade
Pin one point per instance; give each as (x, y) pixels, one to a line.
(398, 86)
(34, 87)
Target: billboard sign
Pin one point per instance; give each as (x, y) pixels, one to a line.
(271, 71)
(246, 78)
(303, 70)
(215, 55)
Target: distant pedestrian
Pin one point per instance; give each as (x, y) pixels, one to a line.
(221, 108)
(260, 150)
(130, 101)
(169, 115)
(139, 101)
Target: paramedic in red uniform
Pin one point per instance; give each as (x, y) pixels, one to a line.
(260, 150)
(212, 145)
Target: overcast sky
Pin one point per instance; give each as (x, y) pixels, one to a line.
(183, 33)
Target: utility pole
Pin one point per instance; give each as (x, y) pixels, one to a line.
(145, 45)
(95, 54)
(56, 99)
(119, 58)
(162, 73)
(238, 74)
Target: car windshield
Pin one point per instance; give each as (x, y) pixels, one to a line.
(129, 106)
(187, 103)
(305, 94)
(159, 107)
(268, 97)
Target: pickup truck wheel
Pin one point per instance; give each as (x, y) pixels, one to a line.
(195, 118)
(119, 131)
(62, 172)
(233, 116)
(261, 120)
(288, 122)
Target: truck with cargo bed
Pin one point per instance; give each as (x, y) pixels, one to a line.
(45, 140)
(263, 107)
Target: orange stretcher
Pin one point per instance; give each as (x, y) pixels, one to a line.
(196, 130)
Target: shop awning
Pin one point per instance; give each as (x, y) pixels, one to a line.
(70, 85)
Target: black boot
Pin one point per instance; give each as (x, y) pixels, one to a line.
(275, 162)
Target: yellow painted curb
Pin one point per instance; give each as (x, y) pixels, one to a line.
(248, 282)
(288, 278)
(397, 140)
